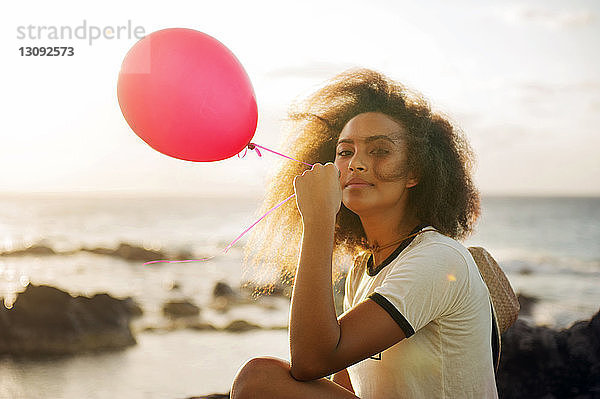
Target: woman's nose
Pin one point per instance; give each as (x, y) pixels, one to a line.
(356, 163)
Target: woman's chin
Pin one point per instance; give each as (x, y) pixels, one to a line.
(358, 206)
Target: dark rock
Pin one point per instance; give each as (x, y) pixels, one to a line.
(129, 252)
(202, 327)
(48, 321)
(278, 328)
(224, 297)
(175, 309)
(99, 251)
(183, 254)
(539, 362)
(525, 271)
(527, 303)
(223, 289)
(37, 249)
(241, 326)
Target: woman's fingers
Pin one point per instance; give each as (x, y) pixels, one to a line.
(317, 190)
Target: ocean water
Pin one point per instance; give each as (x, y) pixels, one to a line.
(549, 248)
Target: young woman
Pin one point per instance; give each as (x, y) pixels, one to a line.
(390, 186)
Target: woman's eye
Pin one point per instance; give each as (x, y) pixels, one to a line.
(343, 153)
(380, 151)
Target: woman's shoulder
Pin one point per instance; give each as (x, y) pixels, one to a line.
(433, 245)
(432, 239)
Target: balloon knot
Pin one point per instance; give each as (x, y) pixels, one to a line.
(252, 146)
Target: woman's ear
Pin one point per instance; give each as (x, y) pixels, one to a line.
(412, 180)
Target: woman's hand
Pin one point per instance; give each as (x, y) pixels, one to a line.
(318, 192)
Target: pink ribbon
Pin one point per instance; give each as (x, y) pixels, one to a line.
(251, 146)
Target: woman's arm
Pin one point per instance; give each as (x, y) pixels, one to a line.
(314, 329)
(320, 344)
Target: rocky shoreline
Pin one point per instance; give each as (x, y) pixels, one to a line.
(536, 361)
(48, 321)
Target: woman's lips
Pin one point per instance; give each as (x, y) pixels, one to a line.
(358, 185)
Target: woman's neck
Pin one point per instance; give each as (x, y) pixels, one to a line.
(383, 229)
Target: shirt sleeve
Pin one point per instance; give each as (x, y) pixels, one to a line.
(423, 286)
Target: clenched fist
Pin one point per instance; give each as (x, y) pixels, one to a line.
(318, 192)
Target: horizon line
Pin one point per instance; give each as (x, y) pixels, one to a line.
(238, 195)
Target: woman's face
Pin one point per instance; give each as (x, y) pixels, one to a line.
(370, 155)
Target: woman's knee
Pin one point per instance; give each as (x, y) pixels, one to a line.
(256, 374)
(263, 367)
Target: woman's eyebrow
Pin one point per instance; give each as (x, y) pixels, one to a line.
(370, 139)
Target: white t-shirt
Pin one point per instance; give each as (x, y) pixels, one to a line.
(433, 290)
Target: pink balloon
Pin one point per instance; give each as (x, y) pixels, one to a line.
(186, 95)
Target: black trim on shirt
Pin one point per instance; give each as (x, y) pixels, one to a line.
(396, 315)
(373, 272)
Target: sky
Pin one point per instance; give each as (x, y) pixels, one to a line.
(521, 79)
